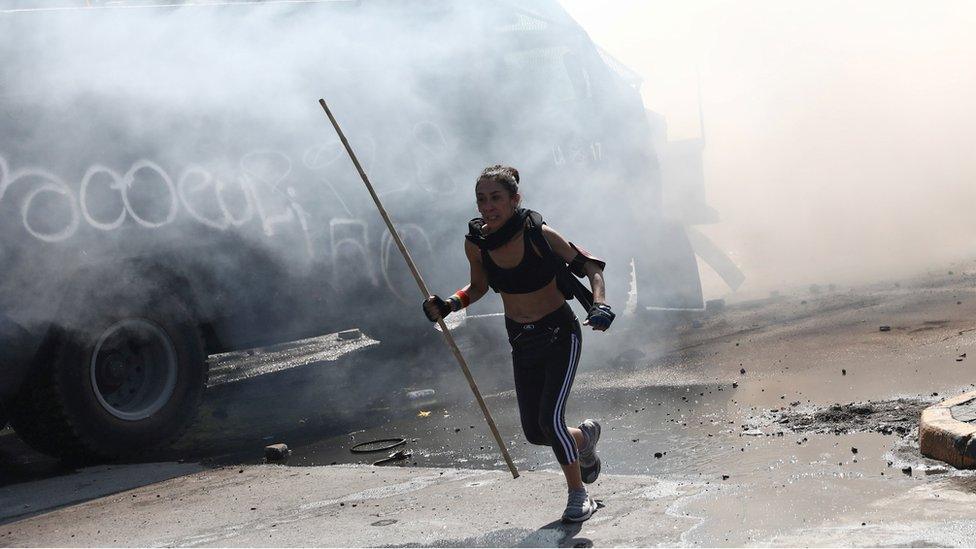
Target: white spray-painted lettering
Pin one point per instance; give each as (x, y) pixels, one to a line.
(188, 191)
(262, 193)
(50, 184)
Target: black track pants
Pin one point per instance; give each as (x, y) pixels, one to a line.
(545, 354)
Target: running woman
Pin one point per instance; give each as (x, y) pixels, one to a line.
(506, 254)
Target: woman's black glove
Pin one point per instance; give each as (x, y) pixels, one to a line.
(600, 317)
(436, 308)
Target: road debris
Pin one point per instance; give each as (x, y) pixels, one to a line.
(898, 416)
(378, 445)
(423, 398)
(399, 455)
(276, 453)
(422, 393)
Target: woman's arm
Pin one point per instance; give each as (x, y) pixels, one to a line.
(435, 307)
(592, 269)
(479, 280)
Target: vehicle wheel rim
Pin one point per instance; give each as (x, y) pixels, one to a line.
(133, 369)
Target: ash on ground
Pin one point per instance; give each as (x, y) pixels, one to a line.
(899, 417)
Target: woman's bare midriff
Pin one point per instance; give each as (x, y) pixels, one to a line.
(523, 308)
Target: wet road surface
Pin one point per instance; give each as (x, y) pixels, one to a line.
(698, 405)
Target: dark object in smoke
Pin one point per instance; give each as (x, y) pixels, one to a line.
(139, 391)
(658, 455)
(853, 450)
(907, 470)
(18, 347)
(714, 305)
(843, 372)
(884, 328)
(399, 455)
(350, 334)
(735, 385)
(276, 453)
(377, 445)
(742, 371)
(725, 477)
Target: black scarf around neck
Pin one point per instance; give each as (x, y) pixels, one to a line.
(477, 236)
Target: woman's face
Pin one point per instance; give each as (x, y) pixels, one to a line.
(495, 204)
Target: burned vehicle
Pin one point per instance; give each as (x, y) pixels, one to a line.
(170, 189)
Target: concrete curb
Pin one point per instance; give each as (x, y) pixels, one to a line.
(942, 437)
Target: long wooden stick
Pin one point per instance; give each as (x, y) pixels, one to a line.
(423, 290)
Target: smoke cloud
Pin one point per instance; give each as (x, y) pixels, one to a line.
(839, 136)
(190, 138)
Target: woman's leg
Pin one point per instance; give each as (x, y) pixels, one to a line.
(560, 367)
(530, 378)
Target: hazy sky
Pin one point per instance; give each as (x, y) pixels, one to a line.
(841, 135)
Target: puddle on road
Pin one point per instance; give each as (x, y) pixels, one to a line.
(752, 477)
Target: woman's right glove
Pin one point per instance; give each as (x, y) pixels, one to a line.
(436, 308)
(600, 317)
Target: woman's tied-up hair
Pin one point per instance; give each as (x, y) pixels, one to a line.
(506, 176)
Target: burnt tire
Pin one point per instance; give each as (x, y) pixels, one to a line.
(118, 380)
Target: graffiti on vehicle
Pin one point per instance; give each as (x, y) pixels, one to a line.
(258, 191)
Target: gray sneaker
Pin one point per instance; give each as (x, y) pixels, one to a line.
(579, 507)
(589, 461)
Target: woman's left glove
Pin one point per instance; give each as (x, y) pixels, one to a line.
(600, 317)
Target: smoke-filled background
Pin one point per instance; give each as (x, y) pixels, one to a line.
(841, 136)
(837, 145)
(190, 137)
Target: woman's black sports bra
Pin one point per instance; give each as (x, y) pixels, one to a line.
(530, 275)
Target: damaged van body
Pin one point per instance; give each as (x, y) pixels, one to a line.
(170, 189)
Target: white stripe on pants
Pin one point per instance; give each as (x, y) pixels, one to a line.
(559, 426)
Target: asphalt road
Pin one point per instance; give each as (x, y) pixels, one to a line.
(732, 409)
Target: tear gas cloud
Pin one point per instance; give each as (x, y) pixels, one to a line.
(192, 134)
(837, 141)
(839, 135)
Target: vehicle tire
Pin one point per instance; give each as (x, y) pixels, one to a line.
(121, 377)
